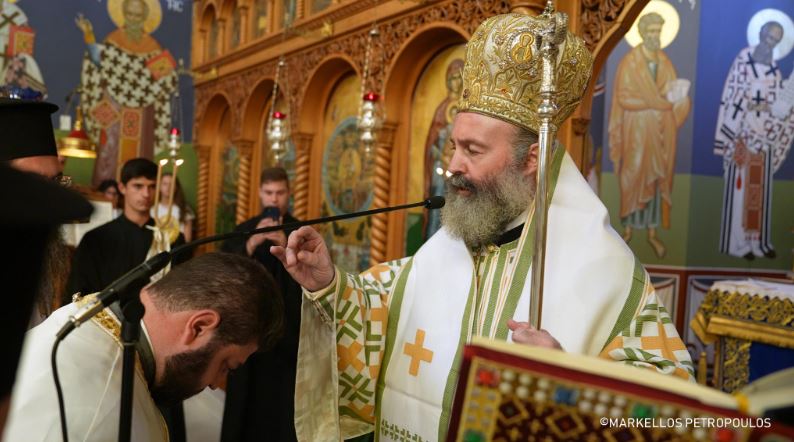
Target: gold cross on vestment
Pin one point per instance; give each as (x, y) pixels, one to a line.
(417, 352)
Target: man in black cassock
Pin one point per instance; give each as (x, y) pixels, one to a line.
(114, 248)
(260, 394)
(33, 207)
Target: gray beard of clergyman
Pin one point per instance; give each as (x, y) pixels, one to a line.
(481, 217)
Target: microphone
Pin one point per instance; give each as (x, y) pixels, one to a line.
(434, 202)
(143, 271)
(112, 292)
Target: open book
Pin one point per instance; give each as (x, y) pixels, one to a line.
(515, 392)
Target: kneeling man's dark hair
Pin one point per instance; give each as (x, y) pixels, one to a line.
(237, 287)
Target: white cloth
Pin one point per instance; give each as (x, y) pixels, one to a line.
(583, 296)
(161, 211)
(89, 365)
(204, 416)
(757, 287)
(103, 213)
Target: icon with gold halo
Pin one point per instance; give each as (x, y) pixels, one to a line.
(145, 13)
(672, 23)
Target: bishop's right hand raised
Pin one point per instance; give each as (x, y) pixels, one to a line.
(306, 258)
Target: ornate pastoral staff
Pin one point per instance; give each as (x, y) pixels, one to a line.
(549, 36)
(530, 72)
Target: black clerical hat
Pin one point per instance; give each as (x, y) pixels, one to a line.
(31, 200)
(26, 129)
(31, 208)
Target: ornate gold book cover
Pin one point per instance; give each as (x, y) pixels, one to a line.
(509, 392)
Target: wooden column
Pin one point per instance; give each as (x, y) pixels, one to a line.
(245, 21)
(575, 136)
(245, 150)
(197, 37)
(300, 188)
(572, 133)
(202, 192)
(222, 45)
(202, 50)
(381, 181)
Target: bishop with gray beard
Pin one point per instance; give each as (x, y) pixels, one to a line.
(480, 217)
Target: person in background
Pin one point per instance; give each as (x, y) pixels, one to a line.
(114, 248)
(259, 395)
(110, 190)
(180, 210)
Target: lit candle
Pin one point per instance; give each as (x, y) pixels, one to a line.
(158, 183)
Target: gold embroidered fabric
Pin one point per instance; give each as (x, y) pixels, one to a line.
(745, 316)
(502, 75)
(734, 321)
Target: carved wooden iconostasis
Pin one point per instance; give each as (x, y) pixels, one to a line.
(414, 66)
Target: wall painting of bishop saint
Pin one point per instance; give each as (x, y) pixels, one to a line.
(754, 132)
(127, 82)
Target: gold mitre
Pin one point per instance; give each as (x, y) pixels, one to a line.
(502, 74)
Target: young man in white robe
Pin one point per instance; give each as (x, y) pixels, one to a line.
(382, 350)
(204, 318)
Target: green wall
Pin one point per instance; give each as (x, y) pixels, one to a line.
(693, 237)
(81, 170)
(704, 229)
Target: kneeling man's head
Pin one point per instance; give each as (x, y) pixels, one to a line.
(205, 318)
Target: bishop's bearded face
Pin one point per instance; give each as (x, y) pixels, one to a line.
(480, 215)
(183, 375)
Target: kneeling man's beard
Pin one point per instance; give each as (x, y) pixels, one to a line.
(182, 375)
(480, 217)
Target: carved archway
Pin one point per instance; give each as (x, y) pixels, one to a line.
(226, 16)
(307, 138)
(412, 33)
(392, 155)
(207, 16)
(212, 136)
(256, 110)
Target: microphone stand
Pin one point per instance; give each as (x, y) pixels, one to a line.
(132, 313)
(127, 288)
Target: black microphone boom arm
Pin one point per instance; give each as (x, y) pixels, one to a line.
(156, 263)
(434, 202)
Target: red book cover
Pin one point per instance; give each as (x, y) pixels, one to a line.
(161, 65)
(511, 392)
